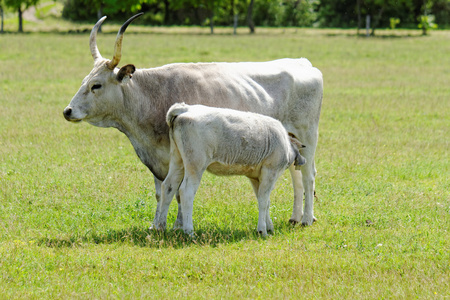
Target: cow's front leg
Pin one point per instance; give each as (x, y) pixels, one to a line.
(158, 201)
(169, 188)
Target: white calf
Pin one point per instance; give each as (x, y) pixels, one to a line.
(224, 142)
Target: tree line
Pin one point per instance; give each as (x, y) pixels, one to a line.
(252, 13)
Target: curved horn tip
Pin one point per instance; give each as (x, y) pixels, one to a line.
(137, 15)
(128, 22)
(93, 39)
(118, 45)
(100, 21)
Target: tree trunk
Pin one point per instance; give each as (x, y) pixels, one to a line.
(367, 25)
(376, 21)
(424, 30)
(250, 23)
(1, 15)
(100, 15)
(211, 21)
(20, 19)
(358, 7)
(232, 9)
(294, 12)
(167, 13)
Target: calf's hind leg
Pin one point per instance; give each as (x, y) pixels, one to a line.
(255, 186)
(188, 189)
(267, 181)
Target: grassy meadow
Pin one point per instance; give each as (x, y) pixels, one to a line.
(76, 202)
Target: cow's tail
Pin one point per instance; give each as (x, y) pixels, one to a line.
(174, 111)
(305, 62)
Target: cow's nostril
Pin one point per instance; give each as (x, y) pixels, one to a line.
(67, 112)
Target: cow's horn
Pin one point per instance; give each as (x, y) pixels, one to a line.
(118, 46)
(93, 40)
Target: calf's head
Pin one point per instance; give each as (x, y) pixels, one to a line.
(100, 93)
(296, 146)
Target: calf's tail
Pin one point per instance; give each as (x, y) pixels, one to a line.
(174, 111)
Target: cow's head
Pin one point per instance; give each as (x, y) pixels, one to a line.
(100, 91)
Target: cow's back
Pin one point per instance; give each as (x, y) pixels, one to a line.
(285, 89)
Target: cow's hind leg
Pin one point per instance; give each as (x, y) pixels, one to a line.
(179, 221)
(308, 174)
(297, 211)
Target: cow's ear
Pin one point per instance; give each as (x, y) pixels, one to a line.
(125, 73)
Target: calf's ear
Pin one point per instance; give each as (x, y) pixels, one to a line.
(125, 73)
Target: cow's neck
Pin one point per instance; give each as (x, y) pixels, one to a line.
(138, 121)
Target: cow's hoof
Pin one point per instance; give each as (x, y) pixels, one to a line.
(177, 226)
(262, 233)
(308, 221)
(293, 222)
(157, 227)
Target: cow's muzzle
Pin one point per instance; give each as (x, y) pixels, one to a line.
(68, 115)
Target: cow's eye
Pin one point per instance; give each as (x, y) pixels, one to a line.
(96, 87)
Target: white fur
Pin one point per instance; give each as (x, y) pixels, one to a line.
(224, 142)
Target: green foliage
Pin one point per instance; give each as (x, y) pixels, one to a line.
(84, 10)
(344, 13)
(394, 22)
(16, 4)
(19, 6)
(426, 23)
(199, 12)
(337, 13)
(284, 13)
(76, 202)
(441, 10)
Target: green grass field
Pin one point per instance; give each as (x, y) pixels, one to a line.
(76, 203)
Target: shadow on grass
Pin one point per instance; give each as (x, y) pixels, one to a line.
(379, 36)
(143, 237)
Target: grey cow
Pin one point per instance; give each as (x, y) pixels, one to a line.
(135, 101)
(224, 142)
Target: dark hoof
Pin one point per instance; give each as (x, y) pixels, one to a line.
(293, 222)
(306, 224)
